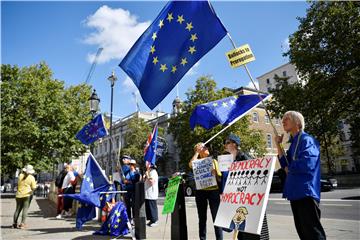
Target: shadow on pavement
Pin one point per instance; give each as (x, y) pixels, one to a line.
(93, 237)
(47, 209)
(62, 230)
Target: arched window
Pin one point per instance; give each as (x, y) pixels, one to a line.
(268, 140)
(255, 117)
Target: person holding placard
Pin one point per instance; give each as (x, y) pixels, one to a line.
(208, 195)
(232, 146)
(302, 184)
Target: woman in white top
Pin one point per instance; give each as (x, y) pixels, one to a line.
(151, 195)
(68, 188)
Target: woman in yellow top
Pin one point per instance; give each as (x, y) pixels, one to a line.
(26, 186)
(209, 195)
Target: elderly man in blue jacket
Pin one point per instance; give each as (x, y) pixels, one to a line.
(302, 185)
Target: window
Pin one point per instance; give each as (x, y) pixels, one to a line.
(100, 148)
(96, 150)
(268, 140)
(267, 121)
(105, 146)
(255, 117)
(284, 73)
(268, 81)
(117, 142)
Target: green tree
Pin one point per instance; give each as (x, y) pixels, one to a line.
(40, 118)
(206, 91)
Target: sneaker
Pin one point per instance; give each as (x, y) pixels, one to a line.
(22, 226)
(58, 216)
(154, 224)
(68, 214)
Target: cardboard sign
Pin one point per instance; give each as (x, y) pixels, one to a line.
(202, 173)
(171, 195)
(244, 200)
(225, 162)
(240, 56)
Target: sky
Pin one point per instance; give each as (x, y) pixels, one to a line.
(66, 35)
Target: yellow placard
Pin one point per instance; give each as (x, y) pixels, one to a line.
(240, 56)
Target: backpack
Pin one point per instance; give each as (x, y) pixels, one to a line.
(60, 178)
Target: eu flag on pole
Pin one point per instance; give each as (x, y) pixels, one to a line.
(151, 146)
(182, 33)
(94, 182)
(92, 131)
(224, 111)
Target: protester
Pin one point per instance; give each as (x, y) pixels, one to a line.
(26, 186)
(58, 183)
(210, 195)
(68, 187)
(151, 194)
(131, 178)
(125, 169)
(232, 146)
(302, 184)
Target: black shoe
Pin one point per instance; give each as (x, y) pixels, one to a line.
(14, 225)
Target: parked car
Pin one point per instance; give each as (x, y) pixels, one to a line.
(189, 184)
(162, 183)
(327, 184)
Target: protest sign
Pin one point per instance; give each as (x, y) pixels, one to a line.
(240, 56)
(202, 173)
(171, 194)
(244, 200)
(225, 162)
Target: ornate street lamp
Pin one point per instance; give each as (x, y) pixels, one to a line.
(112, 80)
(94, 101)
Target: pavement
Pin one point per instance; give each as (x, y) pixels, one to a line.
(42, 224)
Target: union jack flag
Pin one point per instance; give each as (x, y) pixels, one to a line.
(151, 146)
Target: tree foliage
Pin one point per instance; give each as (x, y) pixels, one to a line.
(325, 50)
(40, 118)
(206, 91)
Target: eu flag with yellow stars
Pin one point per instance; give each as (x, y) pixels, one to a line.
(182, 33)
(116, 223)
(92, 131)
(224, 111)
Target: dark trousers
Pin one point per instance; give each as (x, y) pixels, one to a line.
(306, 213)
(264, 234)
(130, 203)
(22, 204)
(202, 198)
(68, 201)
(151, 210)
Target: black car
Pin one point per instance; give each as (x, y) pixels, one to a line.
(189, 184)
(277, 184)
(162, 183)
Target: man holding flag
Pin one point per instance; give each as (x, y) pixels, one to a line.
(151, 179)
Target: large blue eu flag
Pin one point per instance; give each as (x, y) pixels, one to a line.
(92, 131)
(224, 111)
(182, 33)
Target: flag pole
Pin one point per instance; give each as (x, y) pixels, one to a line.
(261, 99)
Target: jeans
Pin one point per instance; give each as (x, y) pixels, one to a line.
(22, 204)
(202, 198)
(151, 210)
(130, 203)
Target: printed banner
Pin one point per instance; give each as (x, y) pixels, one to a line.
(243, 203)
(240, 56)
(225, 162)
(202, 173)
(171, 195)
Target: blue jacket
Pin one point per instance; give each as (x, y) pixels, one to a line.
(133, 178)
(303, 179)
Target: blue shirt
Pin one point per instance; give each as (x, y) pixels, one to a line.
(303, 179)
(133, 178)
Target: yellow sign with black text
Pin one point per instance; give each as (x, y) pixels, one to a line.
(240, 56)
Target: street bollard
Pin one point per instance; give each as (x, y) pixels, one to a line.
(178, 217)
(139, 211)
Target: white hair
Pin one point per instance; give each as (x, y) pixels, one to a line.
(296, 117)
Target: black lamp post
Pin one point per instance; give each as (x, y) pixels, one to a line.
(94, 101)
(112, 80)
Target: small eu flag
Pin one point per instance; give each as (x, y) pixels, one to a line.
(224, 111)
(92, 131)
(151, 146)
(182, 33)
